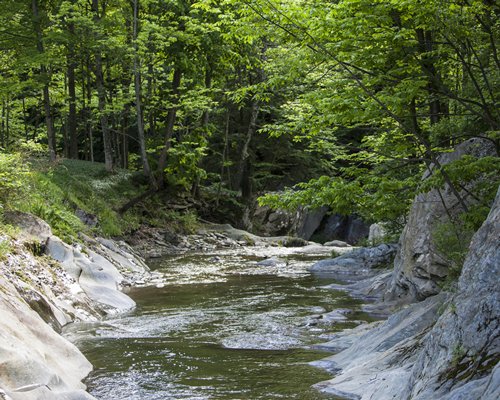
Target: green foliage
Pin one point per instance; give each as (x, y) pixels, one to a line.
(7, 232)
(13, 178)
(451, 241)
(183, 167)
(5, 247)
(57, 192)
(176, 221)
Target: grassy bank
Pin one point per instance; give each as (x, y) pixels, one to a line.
(76, 196)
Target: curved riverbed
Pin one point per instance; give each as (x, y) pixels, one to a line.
(218, 327)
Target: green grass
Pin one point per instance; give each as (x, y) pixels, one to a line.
(56, 192)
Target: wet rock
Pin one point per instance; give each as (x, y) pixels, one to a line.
(369, 289)
(271, 262)
(337, 315)
(357, 264)
(378, 362)
(337, 243)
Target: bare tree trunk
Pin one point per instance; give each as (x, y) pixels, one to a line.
(2, 130)
(425, 44)
(72, 118)
(245, 183)
(205, 119)
(25, 122)
(138, 100)
(46, 94)
(224, 158)
(7, 126)
(87, 94)
(101, 95)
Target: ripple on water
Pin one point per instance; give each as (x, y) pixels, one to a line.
(222, 328)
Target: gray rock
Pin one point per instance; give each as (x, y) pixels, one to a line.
(272, 262)
(425, 353)
(32, 227)
(359, 263)
(96, 275)
(379, 360)
(87, 218)
(464, 345)
(419, 268)
(36, 363)
(376, 233)
(337, 243)
(63, 253)
(310, 221)
(370, 289)
(356, 230)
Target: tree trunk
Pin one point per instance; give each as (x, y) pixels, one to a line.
(205, 119)
(245, 183)
(436, 109)
(224, 157)
(138, 100)
(25, 121)
(7, 126)
(44, 73)
(72, 118)
(2, 130)
(101, 95)
(169, 128)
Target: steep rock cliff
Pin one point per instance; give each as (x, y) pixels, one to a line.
(419, 268)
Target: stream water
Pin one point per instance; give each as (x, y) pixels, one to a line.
(220, 327)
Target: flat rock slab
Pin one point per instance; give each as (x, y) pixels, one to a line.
(372, 366)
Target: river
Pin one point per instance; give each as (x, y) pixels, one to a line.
(218, 327)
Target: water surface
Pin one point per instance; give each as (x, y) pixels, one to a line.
(220, 327)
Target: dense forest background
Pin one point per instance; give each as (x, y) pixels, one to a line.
(224, 100)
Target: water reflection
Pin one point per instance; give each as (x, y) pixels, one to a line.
(222, 327)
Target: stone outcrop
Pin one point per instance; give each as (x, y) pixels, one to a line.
(462, 352)
(317, 224)
(419, 268)
(39, 295)
(445, 347)
(379, 360)
(358, 263)
(35, 362)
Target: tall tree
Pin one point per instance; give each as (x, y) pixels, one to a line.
(101, 90)
(45, 76)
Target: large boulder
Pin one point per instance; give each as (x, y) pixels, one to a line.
(35, 362)
(461, 354)
(97, 276)
(444, 347)
(32, 227)
(357, 264)
(419, 268)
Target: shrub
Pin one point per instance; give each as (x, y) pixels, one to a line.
(13, 178)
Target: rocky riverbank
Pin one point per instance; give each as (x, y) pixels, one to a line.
(442, 340)
(46, 284)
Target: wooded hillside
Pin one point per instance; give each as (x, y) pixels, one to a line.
(231, 98)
